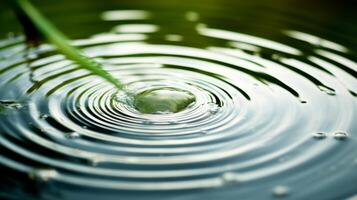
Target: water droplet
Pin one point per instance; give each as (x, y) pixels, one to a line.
(72, 135)
(319, 135)
(163, 100)
(280, 191)
(42, 174)
(230, 178)
(85, 127)
(213, 108)
(340, 135)
(43, 116)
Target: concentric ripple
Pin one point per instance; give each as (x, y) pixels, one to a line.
(266, 115)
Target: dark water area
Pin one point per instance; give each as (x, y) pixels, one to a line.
(273, 114)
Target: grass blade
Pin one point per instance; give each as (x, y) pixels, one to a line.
(35, 24)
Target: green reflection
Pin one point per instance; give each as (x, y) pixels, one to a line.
(163, 100)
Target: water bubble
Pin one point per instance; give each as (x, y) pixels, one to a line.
(230, 178)
(85, 127)
(319, 135)
(340, 135)
(280, 191)
(43, 116)
(213, 108)
(72, 135)
(42, 174)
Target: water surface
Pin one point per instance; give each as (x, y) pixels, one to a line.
(273, 114)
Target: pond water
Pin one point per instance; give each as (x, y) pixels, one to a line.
(266, 102)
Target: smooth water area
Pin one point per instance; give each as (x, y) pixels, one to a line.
(222, 100)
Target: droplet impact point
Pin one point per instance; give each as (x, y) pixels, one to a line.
(163, 100)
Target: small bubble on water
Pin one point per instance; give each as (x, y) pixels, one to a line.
(319, 135)
(42, 174)
(280, 191)
(43, 116)
(72, 135)
(213, 108)
(230, 178)
(340, 135)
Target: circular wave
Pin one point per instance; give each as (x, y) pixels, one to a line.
(263, 110)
